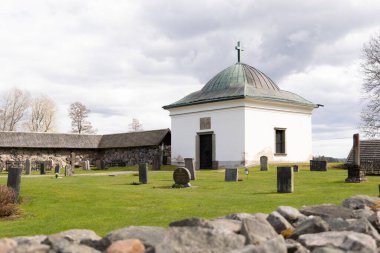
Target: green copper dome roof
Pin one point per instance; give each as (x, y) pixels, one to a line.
(240, 81)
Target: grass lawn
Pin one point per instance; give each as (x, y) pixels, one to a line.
(105, 203)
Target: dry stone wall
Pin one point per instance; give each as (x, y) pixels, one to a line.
(133, 156)
(56, 156)
(351, 227)
(128, 156)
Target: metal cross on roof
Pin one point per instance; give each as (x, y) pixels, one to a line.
(239, 48)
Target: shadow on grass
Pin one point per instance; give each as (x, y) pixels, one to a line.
(266, 193)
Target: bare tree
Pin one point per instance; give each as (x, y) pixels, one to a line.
(135, 125)
(12, 109)
(370, 114)
(78, 114)
(42, 118)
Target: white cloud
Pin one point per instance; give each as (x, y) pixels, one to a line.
(126, 59)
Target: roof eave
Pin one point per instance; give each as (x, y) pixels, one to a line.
(310, 105)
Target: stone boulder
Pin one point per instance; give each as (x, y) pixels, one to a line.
(126, 246)
(275, 245)
(257, 230)
(199, 240)
(278, 222)
(361, 202)
(291, 214)
(310, 226)
(328, 211)
(7, 244)
(37, 239)
(30, 248)
(149, 236)
(226, 224)
(347, 241)
(192, 222)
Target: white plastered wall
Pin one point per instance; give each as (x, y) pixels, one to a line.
(244, 130)
(227, 123)
(261, 121)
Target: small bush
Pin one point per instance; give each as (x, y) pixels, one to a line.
(7, 205)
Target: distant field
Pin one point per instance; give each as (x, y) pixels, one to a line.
(105, 203)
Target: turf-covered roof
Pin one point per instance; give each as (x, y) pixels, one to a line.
(240, 81)
(133, 139)
(369, 150)
(82, 141)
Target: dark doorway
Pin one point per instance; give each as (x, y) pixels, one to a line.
(205, 151)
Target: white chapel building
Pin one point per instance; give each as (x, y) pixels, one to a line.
(239, 116)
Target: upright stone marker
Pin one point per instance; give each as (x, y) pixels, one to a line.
(14, 180)
(356, 173)
(72, 160)
(42, 168)
(156, 164)
(57, 168)
(295, 168)
(189, 164)
(231, 175)
(285, 180)
(28, 167)
(100, 164)
(181, 176)
(318, 165)
(68, 170)
(264, 163)
(86, 165)
(143, 173)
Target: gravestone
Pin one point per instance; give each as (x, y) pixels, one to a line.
(68, 170)
(86, 165)
(14, 180)
(215, 165)
(42, 169)
(181, 177)
(28, 167)
(264, 163)
(318, 165)
(57, 169)
(295, 168)
(72, 160)
(143, 173)
(231, 175)
(189, 164)
(100, 164)
(285, 180)
(156, 164)
(356, 173)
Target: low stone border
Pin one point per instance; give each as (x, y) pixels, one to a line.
(352, 226)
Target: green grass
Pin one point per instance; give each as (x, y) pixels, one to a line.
(95, 170)
(105, 203)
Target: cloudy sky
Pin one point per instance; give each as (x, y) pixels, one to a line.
(125, 59)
